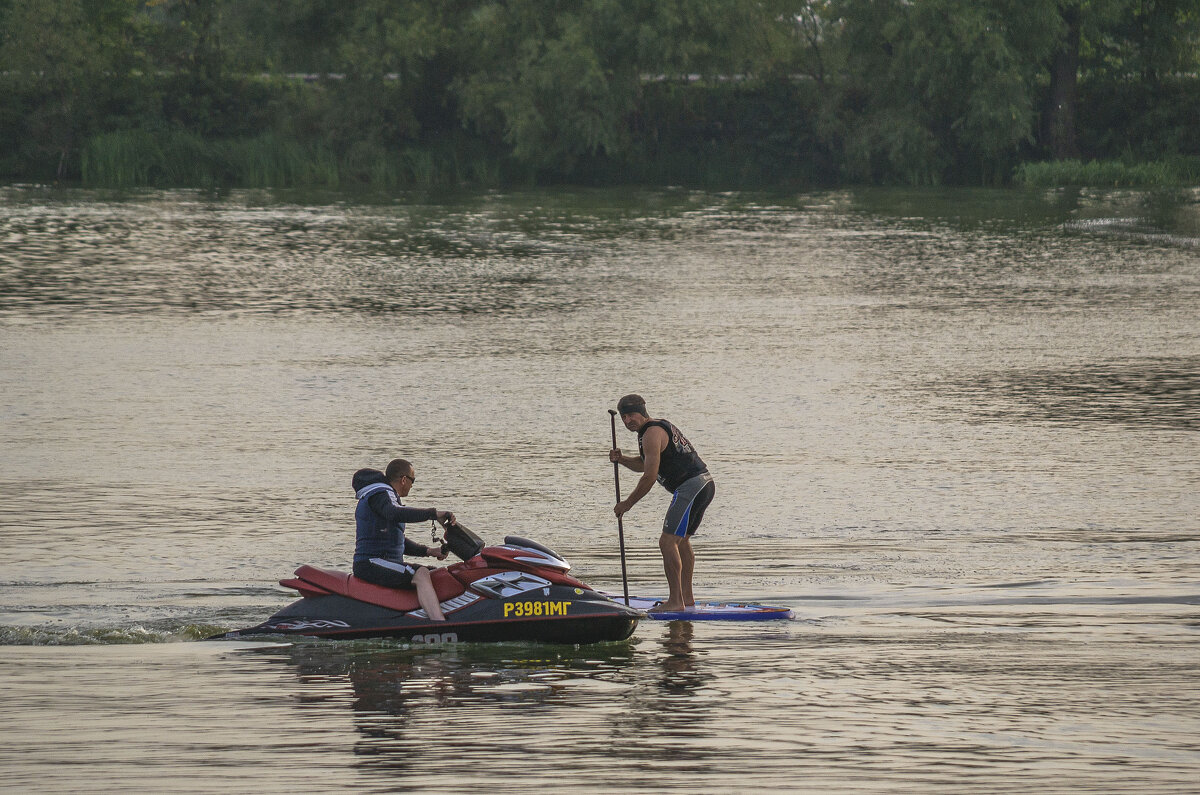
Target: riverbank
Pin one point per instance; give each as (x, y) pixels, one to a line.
(181, 159)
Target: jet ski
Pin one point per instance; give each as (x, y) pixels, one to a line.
(519, 590)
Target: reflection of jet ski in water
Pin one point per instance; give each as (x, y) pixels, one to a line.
(517, 591)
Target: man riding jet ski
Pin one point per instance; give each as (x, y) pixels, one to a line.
(519, 590)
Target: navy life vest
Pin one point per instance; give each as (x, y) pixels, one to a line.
(375, 536)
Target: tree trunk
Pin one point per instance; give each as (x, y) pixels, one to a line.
(1059, 131)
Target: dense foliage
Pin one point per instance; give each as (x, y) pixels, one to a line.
(702, 92)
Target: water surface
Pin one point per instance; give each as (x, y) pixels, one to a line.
(955, 431)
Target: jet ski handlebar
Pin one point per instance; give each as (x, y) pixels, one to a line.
(460, 540)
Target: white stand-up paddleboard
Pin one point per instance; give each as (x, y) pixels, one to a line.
(708, 611)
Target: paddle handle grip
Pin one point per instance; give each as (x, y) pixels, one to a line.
(616, 465)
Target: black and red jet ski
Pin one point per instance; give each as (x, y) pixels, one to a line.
(517, 591)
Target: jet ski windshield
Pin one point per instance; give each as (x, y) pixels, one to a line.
(533, 546)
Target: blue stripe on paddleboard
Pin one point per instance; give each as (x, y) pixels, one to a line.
(710, 611)
(762, 614)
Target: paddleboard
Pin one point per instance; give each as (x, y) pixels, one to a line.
(709, 611)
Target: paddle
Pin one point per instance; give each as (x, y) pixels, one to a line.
(620, 525)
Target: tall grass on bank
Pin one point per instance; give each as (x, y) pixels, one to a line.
(177, 158)
(133, 158)
(268, 161)
(1172, 173)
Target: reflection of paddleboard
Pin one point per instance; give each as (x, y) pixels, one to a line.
(708, 611)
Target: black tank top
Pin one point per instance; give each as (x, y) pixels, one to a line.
(679, 461)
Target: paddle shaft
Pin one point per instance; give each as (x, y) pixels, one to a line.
(620, 525)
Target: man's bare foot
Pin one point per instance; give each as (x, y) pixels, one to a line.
(666, 607)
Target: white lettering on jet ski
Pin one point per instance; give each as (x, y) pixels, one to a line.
(434, 637)
(319, 624)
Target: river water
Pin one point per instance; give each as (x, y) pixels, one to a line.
(957, 432)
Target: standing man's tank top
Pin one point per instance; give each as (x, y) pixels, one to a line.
(679, 460)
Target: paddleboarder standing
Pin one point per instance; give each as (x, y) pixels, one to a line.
(665, 455)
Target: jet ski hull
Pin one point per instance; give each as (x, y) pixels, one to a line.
(519, 591)
(575, 620)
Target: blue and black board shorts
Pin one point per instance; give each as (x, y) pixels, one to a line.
(388, 573)
(688, 504)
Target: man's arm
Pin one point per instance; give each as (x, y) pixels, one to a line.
(653, 443)
(633, 462)
(383, 503)
(419, 550)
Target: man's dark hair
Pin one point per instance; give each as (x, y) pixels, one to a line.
(632, 404)
(397, 467)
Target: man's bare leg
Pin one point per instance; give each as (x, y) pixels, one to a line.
(687, 559)
(427, 596)
(673, 566)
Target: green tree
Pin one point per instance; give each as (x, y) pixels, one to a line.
(1116, 43)
(385, 52)
(538, 81)
(1152, 41)
(62, 54)
(561, 80)
(937, 89)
